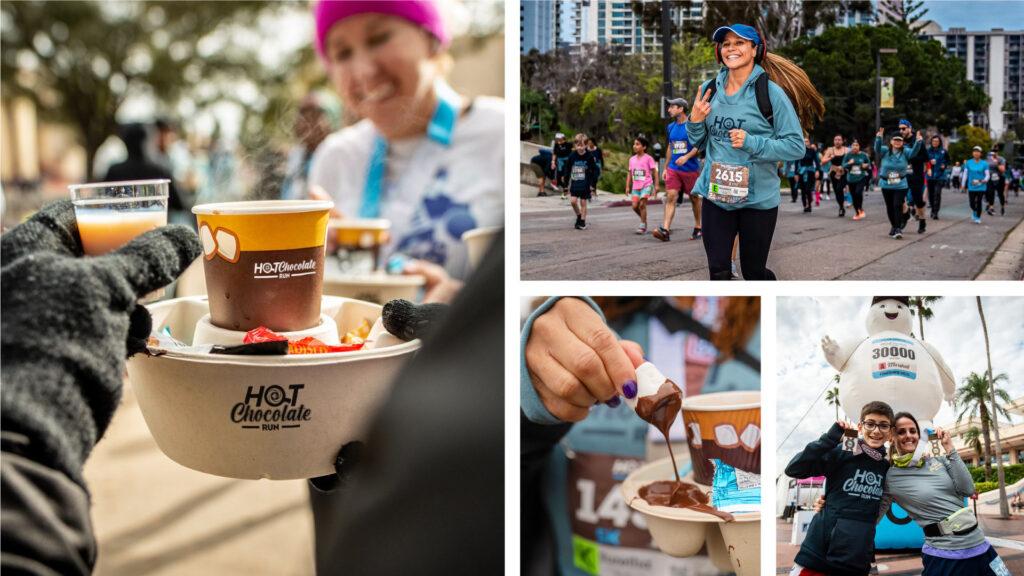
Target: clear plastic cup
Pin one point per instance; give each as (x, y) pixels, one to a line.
(110, 214)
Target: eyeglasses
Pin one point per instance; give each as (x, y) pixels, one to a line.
(870, 425)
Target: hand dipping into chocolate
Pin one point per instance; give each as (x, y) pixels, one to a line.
(658, 402)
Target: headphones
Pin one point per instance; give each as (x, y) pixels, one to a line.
(759, 50)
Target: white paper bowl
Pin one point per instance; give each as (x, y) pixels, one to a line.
(192, 403)
(681, 532)
(376, 287)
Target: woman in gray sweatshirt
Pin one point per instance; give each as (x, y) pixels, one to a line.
(932, 488)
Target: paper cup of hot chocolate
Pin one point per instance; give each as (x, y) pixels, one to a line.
(478, 240)
(264, 262)
(723, 425)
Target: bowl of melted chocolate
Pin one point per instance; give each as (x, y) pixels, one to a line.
(682, 520)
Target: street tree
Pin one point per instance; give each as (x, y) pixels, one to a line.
(909, 13)
(1004, 508)
(970, 136)
(931, 87)
(80, 61)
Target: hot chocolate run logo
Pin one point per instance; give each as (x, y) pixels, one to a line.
(282, 269)
(271, 408)
(865, 484)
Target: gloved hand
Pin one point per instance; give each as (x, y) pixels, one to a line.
(407, 321)
(68, 323)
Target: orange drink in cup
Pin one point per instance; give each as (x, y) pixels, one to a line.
(111, 214)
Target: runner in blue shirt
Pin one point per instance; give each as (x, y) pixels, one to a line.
(894, 163)
(974, 179)
(681, 171)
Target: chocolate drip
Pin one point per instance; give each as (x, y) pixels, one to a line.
(661, 409)
(676, 494)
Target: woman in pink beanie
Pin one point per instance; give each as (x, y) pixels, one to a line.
(423, 157)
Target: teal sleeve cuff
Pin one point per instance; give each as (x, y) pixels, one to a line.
(532, 407)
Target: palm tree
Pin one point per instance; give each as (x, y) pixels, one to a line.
(972, 400)
(832, 399)
(972, 439)
(919, 305)
(1004, 505)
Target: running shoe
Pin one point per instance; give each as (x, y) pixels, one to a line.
(935, 216)
(807, 208)
(662, 234)
(892, 232)
(921, 226)
(642, 229)
(898, 234)
(976, 218)
(583, 224)
(990, 211)
(696, 234)
(859, 215)
(578, 222)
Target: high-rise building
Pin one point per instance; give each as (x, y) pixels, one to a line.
(993, 60)
(537, 25)
(548, 24)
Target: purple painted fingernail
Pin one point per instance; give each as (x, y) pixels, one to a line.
(614, 402)
(629, 389)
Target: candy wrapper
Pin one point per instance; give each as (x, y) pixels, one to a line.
(734, 490)
(307, 345)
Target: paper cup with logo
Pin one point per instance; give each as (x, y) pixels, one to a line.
(726, 426)
(264, 262)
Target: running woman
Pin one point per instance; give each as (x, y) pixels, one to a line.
(560, 151)
(833, 156)
(807, 174)
(915, 175)
(892, 174)
(641, 180)
(974, 179)
(955, 176)
(998, 185)
(580, 172)
(938, 160)
(739, 180)
(681, 171)
(994, 162)
(858, 173)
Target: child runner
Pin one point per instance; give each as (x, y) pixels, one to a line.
(836, 173)
(858, 172)
(938, 159)
(892, 174)
(739, 180)
(807, 174)
(681, 171)
(580, 172)
(974, 179)
(560, 151)
(641, 180)
(840, 538)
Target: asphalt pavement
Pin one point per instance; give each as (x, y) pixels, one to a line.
(815, 246)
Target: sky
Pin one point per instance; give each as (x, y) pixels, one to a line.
(954, 330)
(976, 14)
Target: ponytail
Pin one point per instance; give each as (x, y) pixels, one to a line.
(809, 104)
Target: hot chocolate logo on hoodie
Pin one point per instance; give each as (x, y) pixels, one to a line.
(864, 484)
(721, 125)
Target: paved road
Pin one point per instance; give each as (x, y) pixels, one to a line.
(815, 246)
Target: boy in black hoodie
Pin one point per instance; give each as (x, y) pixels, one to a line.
(580, 171)
(840, 538)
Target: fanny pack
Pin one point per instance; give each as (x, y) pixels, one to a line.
(958, 523)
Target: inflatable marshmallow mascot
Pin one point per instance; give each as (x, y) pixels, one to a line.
(890, 365)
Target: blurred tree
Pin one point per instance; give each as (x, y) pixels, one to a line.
(921, 307)
(80, 61)
(970, 136)
(931, 87)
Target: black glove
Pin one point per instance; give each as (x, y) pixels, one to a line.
(408, 321)
(69, 322)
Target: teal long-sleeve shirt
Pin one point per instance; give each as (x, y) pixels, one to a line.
(892, 172)
(858, 166)
(763, 146)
